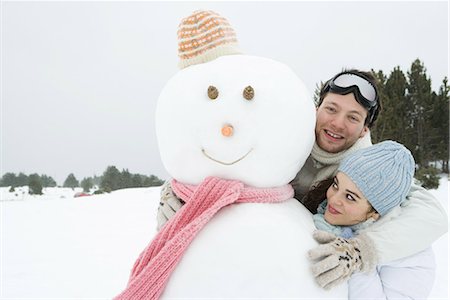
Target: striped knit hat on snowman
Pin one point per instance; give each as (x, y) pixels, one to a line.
(382, 172)
(204, 36)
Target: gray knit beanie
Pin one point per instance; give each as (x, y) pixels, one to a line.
(382, 172)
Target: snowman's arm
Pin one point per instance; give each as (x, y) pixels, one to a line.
(421, 222)
(169, 204)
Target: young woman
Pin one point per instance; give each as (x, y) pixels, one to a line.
(366, 191)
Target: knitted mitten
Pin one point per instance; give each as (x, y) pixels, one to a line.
(168, 205)
(339, 258)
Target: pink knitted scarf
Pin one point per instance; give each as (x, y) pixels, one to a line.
(152, 269)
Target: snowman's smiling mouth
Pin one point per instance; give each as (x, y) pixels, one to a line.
(226, 163)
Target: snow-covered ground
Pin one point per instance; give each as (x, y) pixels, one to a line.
(59, 247)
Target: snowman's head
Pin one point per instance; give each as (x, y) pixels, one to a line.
(237, 117)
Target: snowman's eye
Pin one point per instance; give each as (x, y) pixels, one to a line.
(213, 93)
(248, 93)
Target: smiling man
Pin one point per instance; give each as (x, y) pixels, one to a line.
(340, 122)
(348, 107)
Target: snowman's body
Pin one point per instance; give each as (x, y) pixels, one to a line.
(248, 250)
(251, 250)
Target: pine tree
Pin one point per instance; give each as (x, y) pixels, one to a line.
(125, 179)
(136, 180)
(378, 130)
(87, 184)
(156, 181)
(151, 180)
(96, 180)
(71, 181)
(22, 179)
(440, 123)
(47, 181)
(35, 184)
(110, 179)
(419, 97)
(393, 122)
(9, 179)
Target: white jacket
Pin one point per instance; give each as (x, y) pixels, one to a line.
(407, 278)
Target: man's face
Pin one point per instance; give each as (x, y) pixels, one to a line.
(340, 122)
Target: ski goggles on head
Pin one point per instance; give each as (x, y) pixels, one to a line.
(365, 93)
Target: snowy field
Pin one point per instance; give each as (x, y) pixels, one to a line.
(56, 246)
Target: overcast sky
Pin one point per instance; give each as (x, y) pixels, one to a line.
(80, 80)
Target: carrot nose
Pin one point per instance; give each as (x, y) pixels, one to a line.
(227, 130)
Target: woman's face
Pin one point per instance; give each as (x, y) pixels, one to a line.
(346, 204)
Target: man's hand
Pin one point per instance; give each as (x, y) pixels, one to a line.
(168, 205)
(339, 258)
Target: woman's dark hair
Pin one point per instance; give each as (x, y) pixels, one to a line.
(317, 194)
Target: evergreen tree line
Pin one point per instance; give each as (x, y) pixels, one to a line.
(415, 115)
(35, 182)
(111, 180)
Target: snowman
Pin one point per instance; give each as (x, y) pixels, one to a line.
(232, 129)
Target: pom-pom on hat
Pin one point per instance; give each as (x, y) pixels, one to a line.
(382, 172)
(204, 36)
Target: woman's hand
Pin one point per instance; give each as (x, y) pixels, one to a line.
(338, 258)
